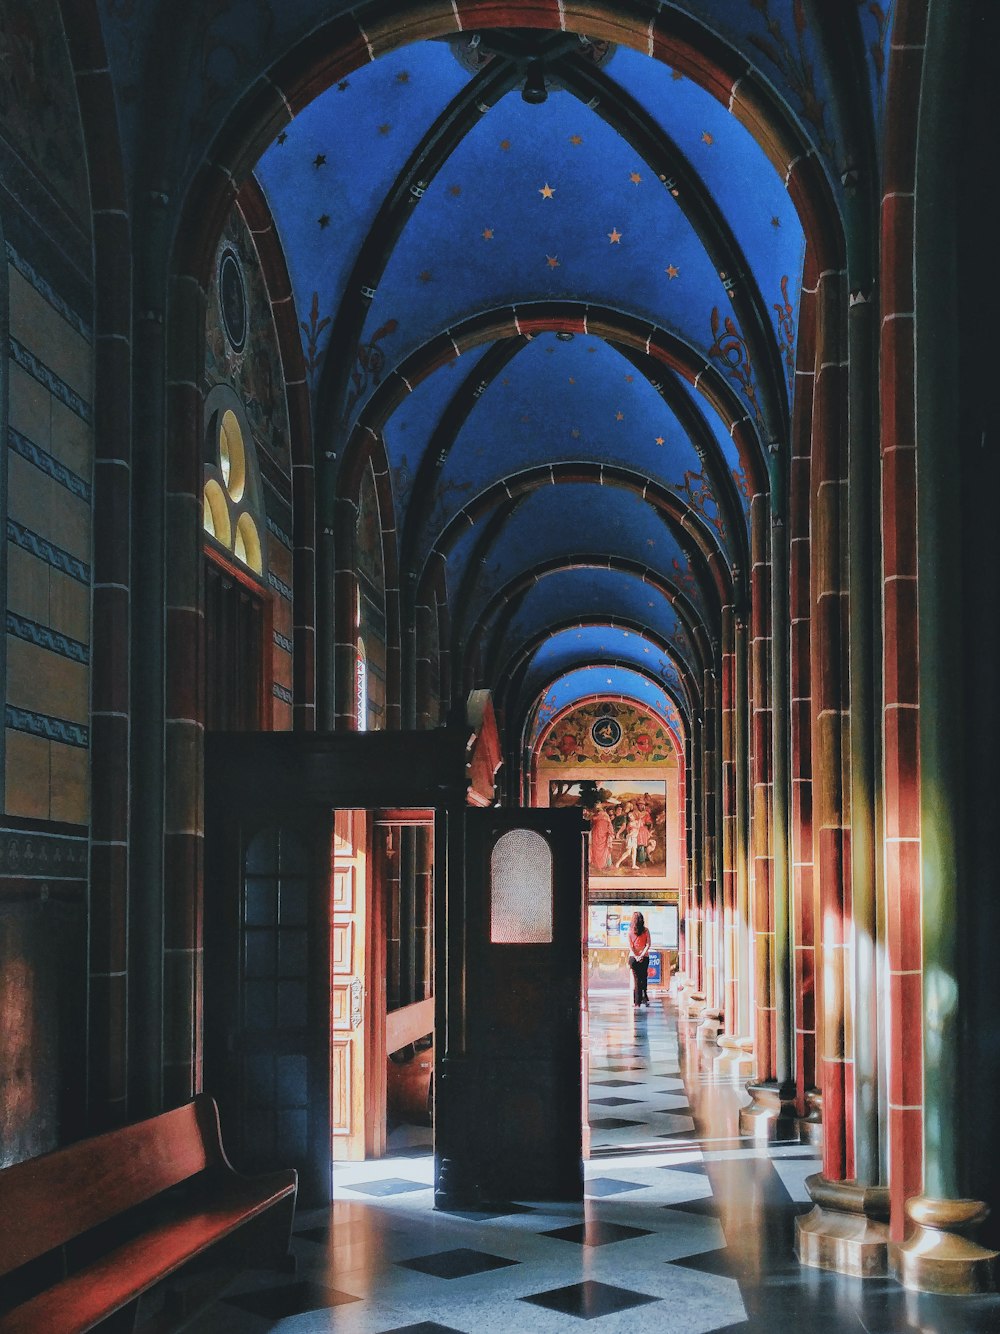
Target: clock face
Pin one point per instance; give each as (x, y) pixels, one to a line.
(233, 300)
(606, 732)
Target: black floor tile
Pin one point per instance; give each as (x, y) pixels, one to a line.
(459, 1263)
(483, 1215)
(597, 1232)
(425, 1327)
(614, 1083)
(387, 1186)
(612, 1123)
(697, 1168)
(717, 1262)
(613, 1102)
(288, 1300)
(601, 1186)
(589, 1300)
(706, 1207)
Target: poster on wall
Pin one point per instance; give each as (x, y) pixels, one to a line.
(628, 823)
(608, 925)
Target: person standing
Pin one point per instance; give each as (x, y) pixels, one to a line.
(639, 942)
(601, 834)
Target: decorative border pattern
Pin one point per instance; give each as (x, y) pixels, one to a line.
(279, 586)
(28, 854)
(44, 725)
(52, 382)
(282, 693)
(45, 289)
(48, 552)
(45, 637)
(49, 465)
(279, 533)
(282, 641)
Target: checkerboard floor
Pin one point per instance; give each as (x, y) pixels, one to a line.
(684, 1227)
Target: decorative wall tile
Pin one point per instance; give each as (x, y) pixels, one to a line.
(27, 853)
(45, 289)
(282, 693)
(54, 383)
(37, 325)
(278, 533)
(282, 641)
(49, 552)
(44, 461)
(45, 637)
(279, 586)
(44, 725)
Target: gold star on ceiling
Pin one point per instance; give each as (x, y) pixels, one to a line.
(455, 190)
(672, 271)
(575, 433)
(629, 379)
(660, 440)
(487, 233)
(505, 145)
(615, 236)
(403, 76)
(707, 138)
(425, 276)
(576, 140)
(547, 191)
(384, 128)
(619, 416)
(552, 261)
(676, 74)
(572, 379)
(634, 177)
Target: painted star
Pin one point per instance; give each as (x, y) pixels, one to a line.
(775, 221)
(282, 136)
(619, 416)
(403, 76)
(576, 140)
(505, 145)
(487, 233)
(634, 177)
(547, 191)
(676, 74)
(319, 160)
(707, 138)
(551, 261)
(454, 190)
(343, 86)
(572, 379)
(615, 236)
(672, 271)
(660, 440)
(629, 379)
(425, 276)
(575, 433)
(324, 220)
(384, 128)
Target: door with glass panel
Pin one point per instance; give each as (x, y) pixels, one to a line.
(521, 1005)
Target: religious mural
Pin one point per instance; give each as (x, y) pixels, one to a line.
(628, 820)
(603, 731)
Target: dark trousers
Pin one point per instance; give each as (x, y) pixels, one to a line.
(640, 971)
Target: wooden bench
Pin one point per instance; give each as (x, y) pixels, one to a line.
(87, 1230)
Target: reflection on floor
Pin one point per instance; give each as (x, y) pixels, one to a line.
(685, 1227)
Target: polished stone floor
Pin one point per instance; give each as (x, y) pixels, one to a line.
(684, 1227)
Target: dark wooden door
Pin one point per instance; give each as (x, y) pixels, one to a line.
(519, 1077)
(268, 998)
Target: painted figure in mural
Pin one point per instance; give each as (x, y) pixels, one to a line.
(631, 839)
(645, 829)
(601, 834)
(639, 942)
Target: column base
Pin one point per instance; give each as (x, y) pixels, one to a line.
(735, 1059)
(710, 1026)
(846, 1231)
(770, 1116)
(810, 1126)
(940, 1255)
(690, 1006)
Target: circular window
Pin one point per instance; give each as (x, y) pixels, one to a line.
(216, 513)
(247, 545)
(233, 300)
(232, 455)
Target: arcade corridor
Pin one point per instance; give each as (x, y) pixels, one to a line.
(680, 1216)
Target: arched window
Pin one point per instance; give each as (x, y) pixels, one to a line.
(521, 889)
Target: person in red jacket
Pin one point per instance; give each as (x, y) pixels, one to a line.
(639, 942)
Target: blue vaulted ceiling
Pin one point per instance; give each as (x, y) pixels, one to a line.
(630, 210)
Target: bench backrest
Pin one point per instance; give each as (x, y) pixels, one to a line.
(47, 1201)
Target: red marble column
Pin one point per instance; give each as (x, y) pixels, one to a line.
(900, 718)
(828, 680)
(761, 908)
(727, 869)
(802, 893)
